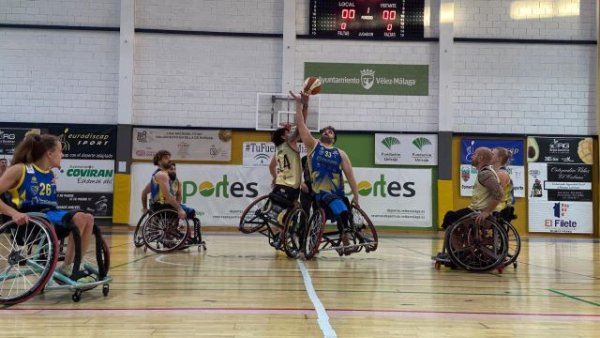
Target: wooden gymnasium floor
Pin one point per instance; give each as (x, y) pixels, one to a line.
(241, 287)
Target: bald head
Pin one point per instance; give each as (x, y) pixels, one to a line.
(483, 156)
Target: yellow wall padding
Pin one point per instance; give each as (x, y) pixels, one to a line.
(121, 199)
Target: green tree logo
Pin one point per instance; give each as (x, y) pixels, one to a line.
(390, 141)
(420, 142)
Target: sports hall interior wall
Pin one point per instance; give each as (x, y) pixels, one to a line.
(210, 81)
(506, 80)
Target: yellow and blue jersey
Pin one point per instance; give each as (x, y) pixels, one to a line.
(35, 190)
(156, 196)
(509, 192)
(325, 165)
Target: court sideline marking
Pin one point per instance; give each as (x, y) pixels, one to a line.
(322, 317)
(573, 297)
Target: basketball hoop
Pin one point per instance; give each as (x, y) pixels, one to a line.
(275, 110)
(290, 126)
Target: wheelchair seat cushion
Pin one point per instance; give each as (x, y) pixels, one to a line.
(284, 196)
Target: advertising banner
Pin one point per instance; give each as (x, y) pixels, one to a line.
(87, 142)
(468, 147)
(85, 176)
(184, 144)
(99, 204)
(560, 184)
(259, 154)
(9, 138)
(85, 179)
(468, 173)
(370, 79)
(219, 193)
(406, 149)
(560, 149)
(394, 197)
(561, 217)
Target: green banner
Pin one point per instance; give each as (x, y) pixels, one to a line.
(370, 79)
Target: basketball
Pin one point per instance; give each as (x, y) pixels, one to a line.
(312, 86)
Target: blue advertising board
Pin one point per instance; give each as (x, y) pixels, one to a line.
(469, 145)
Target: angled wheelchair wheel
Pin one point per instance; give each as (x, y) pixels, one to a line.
(293, 230)
(164, 231)
(138, 239)
(364, 230)
(514, 244)
(28, 257)
(96, 261)
(475, 247)
(254, 217)
(314, 233)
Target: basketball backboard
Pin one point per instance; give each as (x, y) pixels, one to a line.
(274, 110)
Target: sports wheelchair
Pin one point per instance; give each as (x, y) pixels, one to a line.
(360, 230)
(138, 239)
(492, 245)
(163, 231)
(272, 211)
(29, 254)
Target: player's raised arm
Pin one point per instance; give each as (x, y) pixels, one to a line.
(301, 101)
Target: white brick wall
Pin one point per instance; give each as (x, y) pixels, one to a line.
(369, 112)
(61, 12)
(247, 16)
(203, 81)
(58, 76)
(54, 76)
(525, 89)
(508, 19)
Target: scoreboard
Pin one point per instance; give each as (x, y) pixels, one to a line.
(367, 19)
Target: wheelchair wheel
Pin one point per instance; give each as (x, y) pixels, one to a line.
(138, 239)
(364, 231)
(514, 244)
(97, 259)
(475, 247)
(292, 232)
(28, 256)
(314, 233)
(164, 231)
(254, 217)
